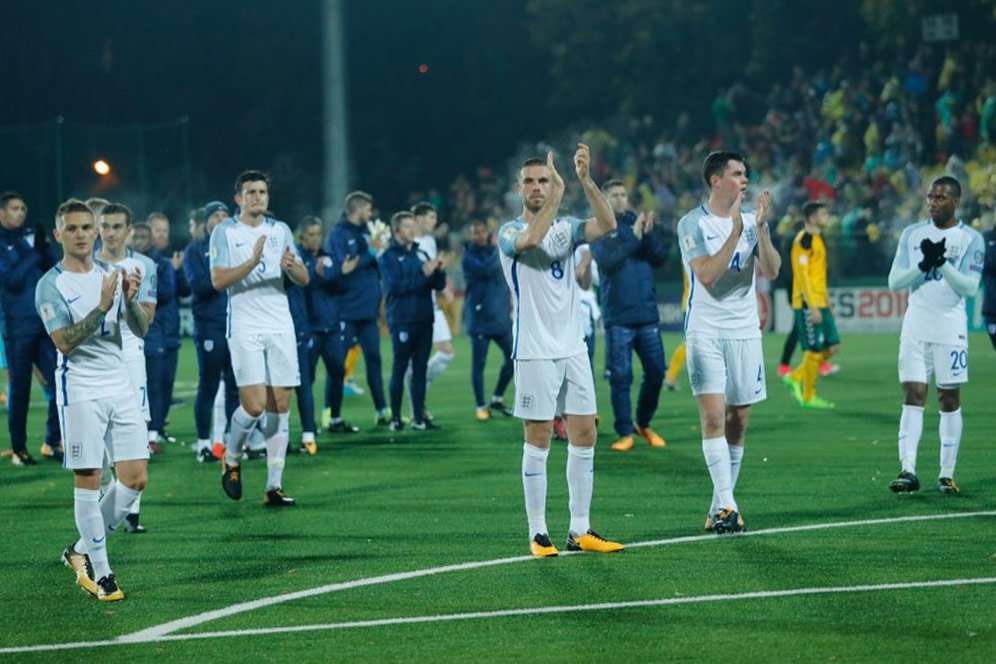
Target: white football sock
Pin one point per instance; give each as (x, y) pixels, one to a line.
(90, 525)
(136, 504)
(580, 483)
(950, 432)
(219, 421)
(307, 436)
(242, 424)
(276, 449)
(717, 458)
(910, 430)
(736, 458)
(534, 487)
(438, 363)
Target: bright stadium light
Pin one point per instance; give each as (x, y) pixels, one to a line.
(101, 167)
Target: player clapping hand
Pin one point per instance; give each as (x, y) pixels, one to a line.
(287, 260)
(131, 282)
(108, 288)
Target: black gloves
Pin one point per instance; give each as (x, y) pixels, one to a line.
(933, 254)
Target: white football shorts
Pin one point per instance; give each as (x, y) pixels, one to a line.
(731, 367)
(919, 360)
(265, 358)
(545, 388)
(115, 423)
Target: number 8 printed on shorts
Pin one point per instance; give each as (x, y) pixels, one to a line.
(557, 270)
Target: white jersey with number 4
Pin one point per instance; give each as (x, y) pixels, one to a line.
(548, 313)
(257, 303)
(728, 308)
(936, 312)
(95, 369)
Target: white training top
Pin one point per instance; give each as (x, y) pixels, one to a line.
(936, 312)
(133, 346)
(548, 315)
(95, 369)
(258, 302)
(727, 309)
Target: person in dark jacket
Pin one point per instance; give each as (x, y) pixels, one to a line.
(626, 261)
(309, 241)
(324, 290)
(410, 276)
(487, 310)
(359, 296)
(162, 343)
(989, 284)
(210, 310)
(25, 256)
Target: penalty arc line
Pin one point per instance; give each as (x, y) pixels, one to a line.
(208, 616)
(505, 613)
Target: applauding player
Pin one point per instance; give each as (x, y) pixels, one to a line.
(85, 304)
(934, 338)
(250, 253)
(552, 373)
(720, 245)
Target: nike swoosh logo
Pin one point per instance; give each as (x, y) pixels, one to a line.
(532, 474)
(757, 391)
(239, 244)
(71, 300)
(98, 540)
(712, 237)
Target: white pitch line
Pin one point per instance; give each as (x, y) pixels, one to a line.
(208, 616)
(505, 613)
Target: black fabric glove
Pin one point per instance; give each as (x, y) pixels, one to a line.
(933, 254)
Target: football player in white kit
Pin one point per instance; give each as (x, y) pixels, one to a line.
(720, 245)
(250, 253)
(114, 224)
(940, 260)
(84, 304)
(552, 373)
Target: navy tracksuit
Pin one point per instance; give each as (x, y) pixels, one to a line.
(210, 310)
(299, 302)
(487, 316)
(359, 299)
(326, 330)
(989, 284)
(629, 311)
(24, 258)
(409, 317)
(162, 343)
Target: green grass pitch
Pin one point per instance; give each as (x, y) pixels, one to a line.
(378, 503)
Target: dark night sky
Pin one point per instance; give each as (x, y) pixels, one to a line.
(248, 76)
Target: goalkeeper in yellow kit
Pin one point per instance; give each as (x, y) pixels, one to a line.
(814, 321)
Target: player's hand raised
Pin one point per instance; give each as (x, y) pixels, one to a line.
(763, 207)
(130, 283)
(582, 162)
(108, 288)
(350, 264)
(556, 181)
(737, 214)
(177, 260)
(257, 250)
(429, 267)
(287, 260)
